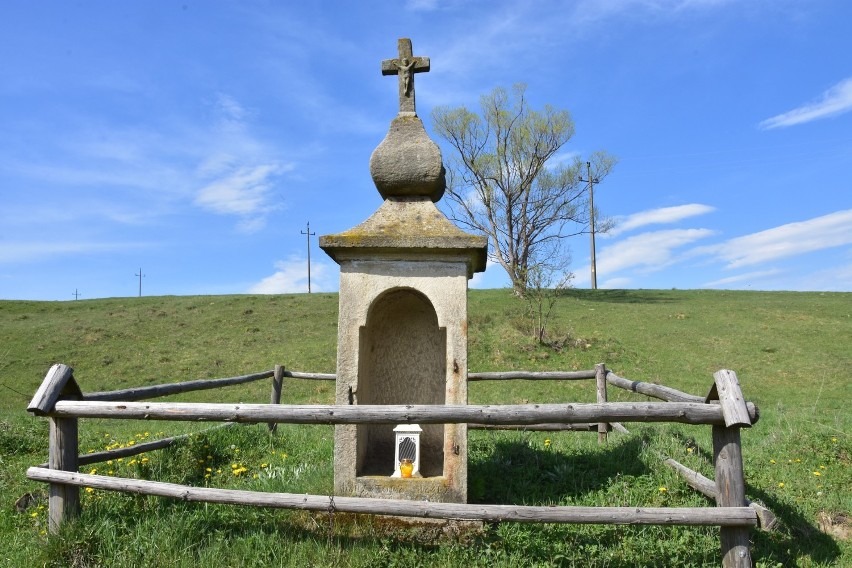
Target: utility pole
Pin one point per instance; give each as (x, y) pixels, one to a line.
(309, 233)
(76, 294)
(592, 181)
(140, 275)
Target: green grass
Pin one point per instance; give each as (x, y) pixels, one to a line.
(791, 352)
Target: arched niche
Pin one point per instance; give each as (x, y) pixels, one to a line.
(402, 360)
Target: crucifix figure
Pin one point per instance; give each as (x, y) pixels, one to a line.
(405, 66)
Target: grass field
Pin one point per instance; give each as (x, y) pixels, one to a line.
(791, 352)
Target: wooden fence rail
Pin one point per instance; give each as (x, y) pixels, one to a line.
(692, 516)
(683, 412)
(154, 391)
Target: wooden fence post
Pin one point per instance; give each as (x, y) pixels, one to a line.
(730, 484)
(64, 500)
(277, 383)
(600, 380)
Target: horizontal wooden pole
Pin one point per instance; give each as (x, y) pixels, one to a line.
(311, 376)
(683, 412)
(484, 376)
(154, 391)
(136, 449)
(694, 516)
(582, 427)
(532, 375)
(657, 391)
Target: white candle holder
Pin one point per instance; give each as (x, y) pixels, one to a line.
(407, 446)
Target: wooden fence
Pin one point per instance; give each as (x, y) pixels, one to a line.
(60, 399)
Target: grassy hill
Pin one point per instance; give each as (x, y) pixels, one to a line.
(791, 352)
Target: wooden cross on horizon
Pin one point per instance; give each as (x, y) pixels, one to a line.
(405, 66)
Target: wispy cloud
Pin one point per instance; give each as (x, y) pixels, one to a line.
(243, 191)
(661, 216)
(647, 252)
(746, 277)
(832, 230)
(422, 5)
(615, 283)
(291, 276)
(17, 252)
(836, 100)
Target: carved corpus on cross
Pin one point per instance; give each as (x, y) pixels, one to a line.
(405, 66)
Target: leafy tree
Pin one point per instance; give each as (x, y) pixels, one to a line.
(506, 181)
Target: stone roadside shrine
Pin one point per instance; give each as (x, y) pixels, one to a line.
(402, 329)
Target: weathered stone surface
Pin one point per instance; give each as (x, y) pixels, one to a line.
(382, 358)
(409, 226)
(408, 162)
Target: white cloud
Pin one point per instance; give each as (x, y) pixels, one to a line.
(244, 191)
(616, 283)
(422, 5)
(565, 159)
(834, 101)
(659, 216)
(832, 230)
(291, 276)
(746, 277)
(494, 276)
(650, 251)
(11, 252)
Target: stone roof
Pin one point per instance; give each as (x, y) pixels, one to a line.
(406, 228)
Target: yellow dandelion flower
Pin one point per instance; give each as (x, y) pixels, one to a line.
(822, 467)
(798, 460)
(264, 465)
(817, 473)
(208, 470)
(206, 476)
(689, 450)
(34, 514)
(834, 440)
(132, 462)
(218, 471)
(144, 460)
(119, 460)
(109, 472)
(663, 490)
(93, 471)
(89, 490)
(780, 484)
(547, 443)
(109, 462)
(254, 476)
(772, 461)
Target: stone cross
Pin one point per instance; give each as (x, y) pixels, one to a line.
(406, 65)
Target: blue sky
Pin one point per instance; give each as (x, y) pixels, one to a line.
(195, 140)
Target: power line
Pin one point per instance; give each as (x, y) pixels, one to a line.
(309, 233)
(76, 294)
